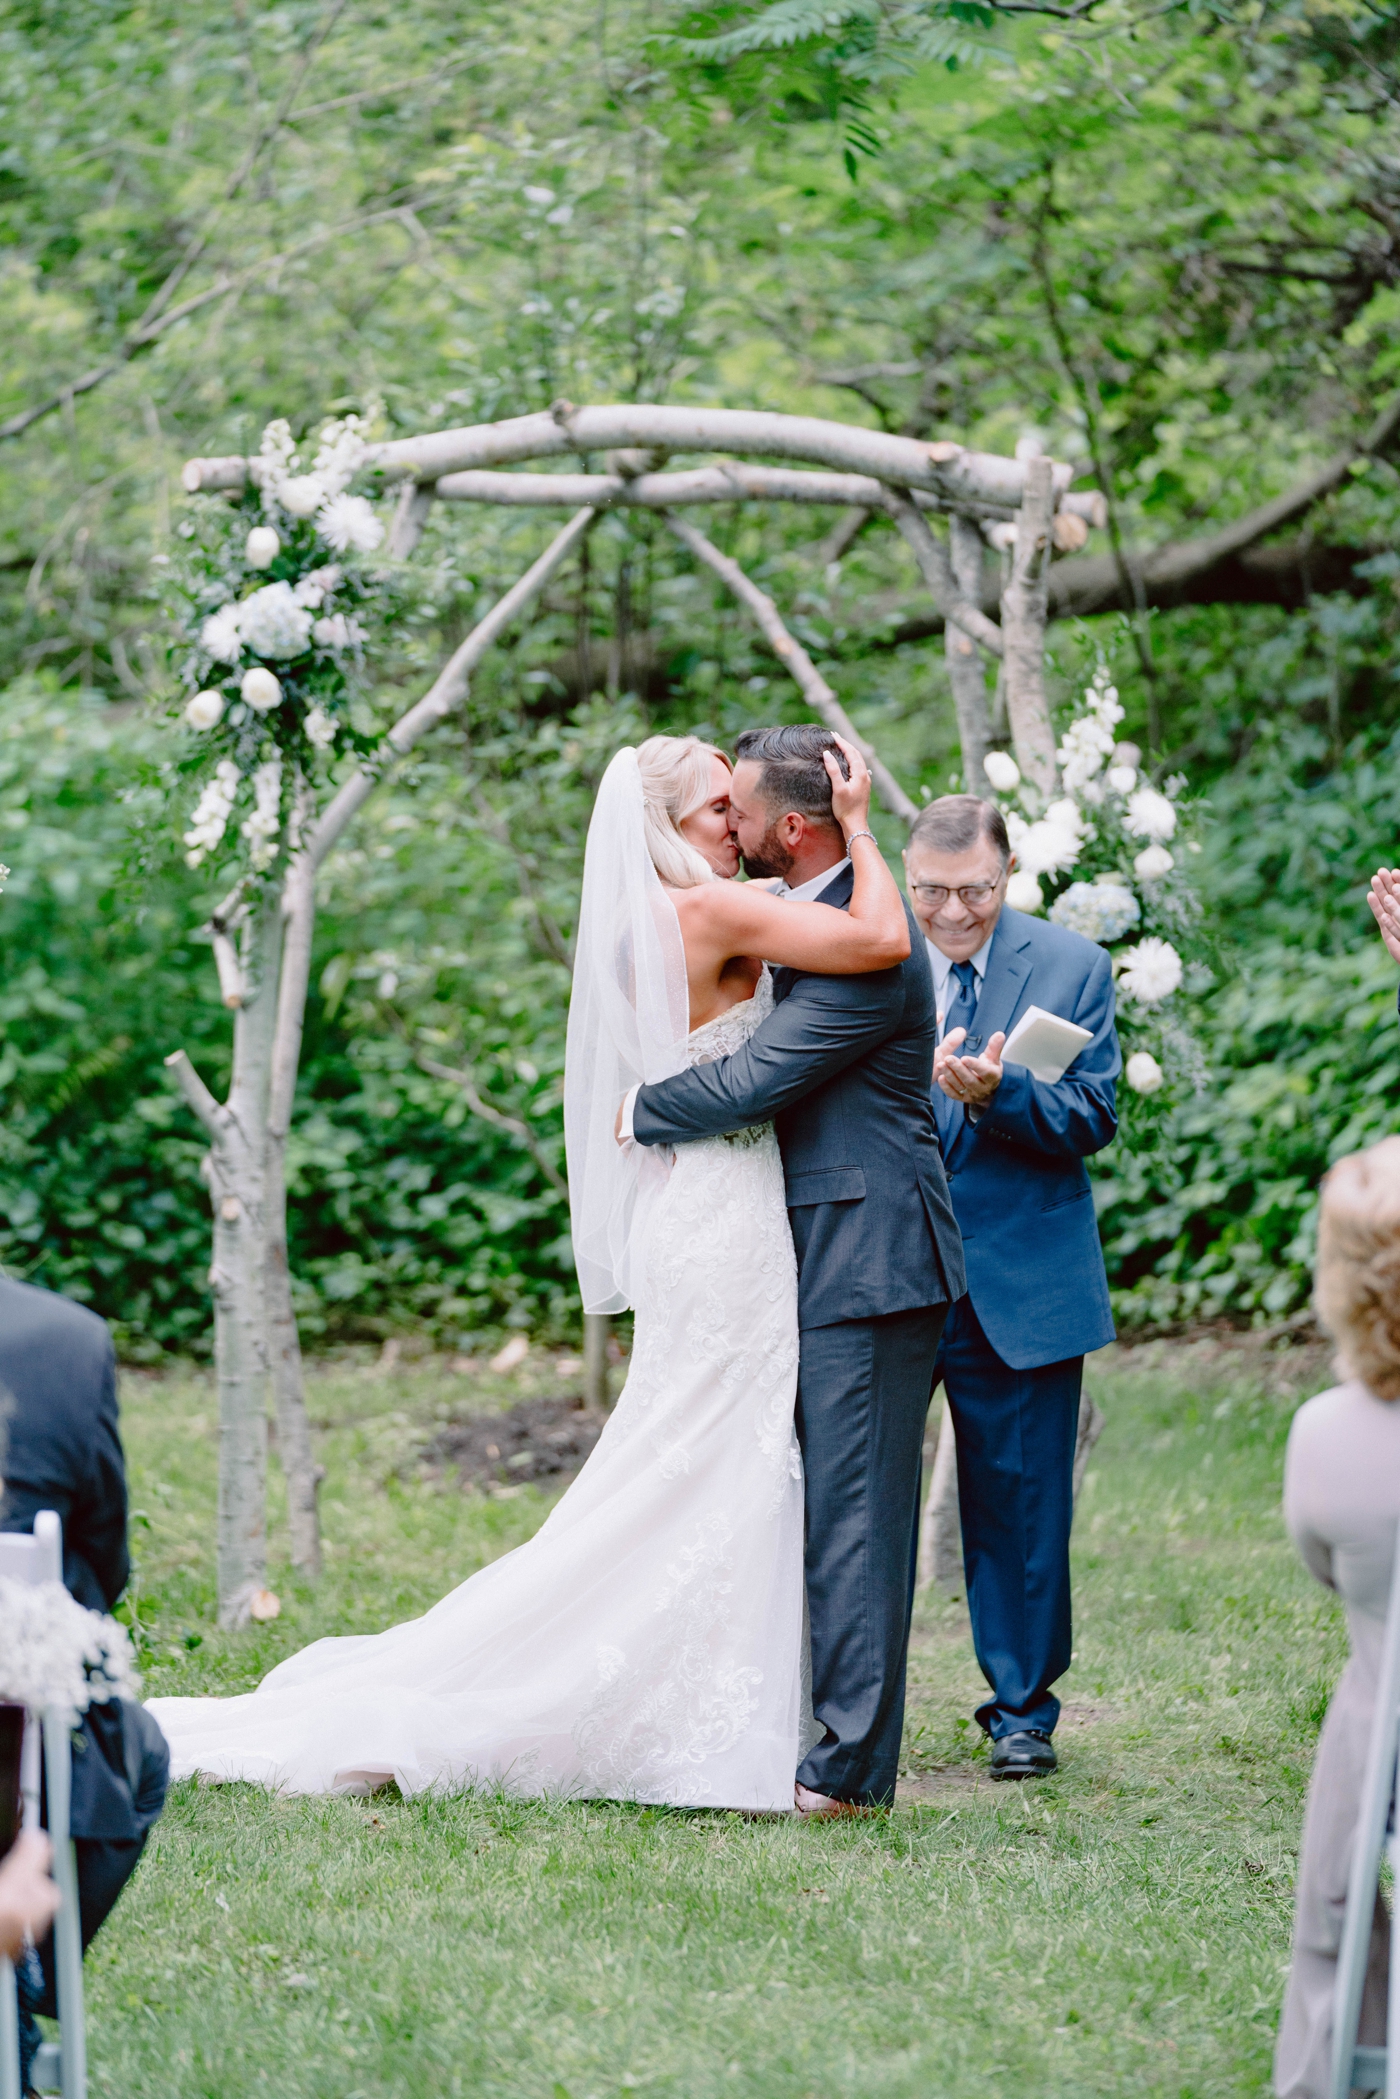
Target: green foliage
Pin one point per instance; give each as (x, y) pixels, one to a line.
(1160, 243)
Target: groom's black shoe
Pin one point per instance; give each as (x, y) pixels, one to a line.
(1029, 1754)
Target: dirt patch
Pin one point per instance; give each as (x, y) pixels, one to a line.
(537, 1442)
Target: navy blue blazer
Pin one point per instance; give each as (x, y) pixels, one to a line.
(843, 1068)
(1020, 1191)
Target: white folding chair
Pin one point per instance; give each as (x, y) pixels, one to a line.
(1372, 2069)
(61, 2066)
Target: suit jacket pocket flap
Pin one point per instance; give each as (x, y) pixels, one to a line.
(826, 1184)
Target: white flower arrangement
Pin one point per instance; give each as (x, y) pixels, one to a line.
(55, 1654)
(1093, 857)
(1101, 911)
(270, 663)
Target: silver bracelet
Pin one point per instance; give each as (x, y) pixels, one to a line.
(862, 834)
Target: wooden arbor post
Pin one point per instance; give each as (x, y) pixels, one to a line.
(822, 463)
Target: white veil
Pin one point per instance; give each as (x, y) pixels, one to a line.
(629, 1016)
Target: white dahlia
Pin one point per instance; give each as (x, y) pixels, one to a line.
(1150, 815)
(349, 521)
(1151, 971)
(220, 635)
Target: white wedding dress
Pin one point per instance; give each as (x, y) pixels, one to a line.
(647, 1644)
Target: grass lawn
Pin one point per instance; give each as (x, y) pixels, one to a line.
(1122, 1927)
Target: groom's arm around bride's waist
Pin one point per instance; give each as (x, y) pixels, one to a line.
(824, 1025)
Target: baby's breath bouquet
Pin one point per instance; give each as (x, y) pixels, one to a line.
(276, 600)
(1108, 857)
(54, 1653)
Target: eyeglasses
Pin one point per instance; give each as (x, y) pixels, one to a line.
(973, 895)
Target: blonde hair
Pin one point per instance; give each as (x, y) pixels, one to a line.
(675, 774)
(1358, 1265)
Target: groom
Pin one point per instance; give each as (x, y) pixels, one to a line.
(843, 1067)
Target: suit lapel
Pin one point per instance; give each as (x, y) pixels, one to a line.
(1004, 985)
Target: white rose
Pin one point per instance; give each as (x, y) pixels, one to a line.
(1023, 892)
(1003, 773)
(1151, 971)
(321, 728)
(261, 547)
(1143, 1073)
(349, 521)
(1122, 778)
(1150, 815)
(205, 710)
(260, 689)
(220, 635)
(302, 496)
(1152, 863)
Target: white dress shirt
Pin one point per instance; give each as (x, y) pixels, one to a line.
(805, 893)
(942, 968)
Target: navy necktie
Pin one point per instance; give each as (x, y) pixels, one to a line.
(962, 1008)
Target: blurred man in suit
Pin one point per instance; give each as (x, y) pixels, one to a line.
(60, 1448)
(1012, 1353)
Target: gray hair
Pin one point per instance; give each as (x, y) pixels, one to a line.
(955, 823)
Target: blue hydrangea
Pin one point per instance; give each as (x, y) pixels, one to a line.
(1101, 911)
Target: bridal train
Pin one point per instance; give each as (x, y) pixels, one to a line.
(647, 1642)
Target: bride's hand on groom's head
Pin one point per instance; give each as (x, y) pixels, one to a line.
(850, 790)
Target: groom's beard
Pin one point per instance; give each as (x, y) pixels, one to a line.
(772, 858)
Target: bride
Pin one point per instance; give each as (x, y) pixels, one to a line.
(646, 1644)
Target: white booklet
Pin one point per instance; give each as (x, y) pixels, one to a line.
(1044, 1043)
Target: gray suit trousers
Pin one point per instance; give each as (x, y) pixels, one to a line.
(862, 1398)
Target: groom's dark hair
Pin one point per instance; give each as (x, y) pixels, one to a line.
(793, 775)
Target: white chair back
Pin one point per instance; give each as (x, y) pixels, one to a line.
(1372, 2069)
(62, 2067)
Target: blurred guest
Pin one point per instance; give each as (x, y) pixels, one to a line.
(1012, 1354)
(1341, 1501)
(62, 1450)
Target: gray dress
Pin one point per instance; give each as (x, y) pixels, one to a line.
(1341, 1502)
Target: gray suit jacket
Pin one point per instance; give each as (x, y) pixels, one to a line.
(843, 1068)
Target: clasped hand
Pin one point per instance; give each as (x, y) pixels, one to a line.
(971, 1080)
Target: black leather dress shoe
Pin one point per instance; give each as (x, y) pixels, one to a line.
(1027, 1755)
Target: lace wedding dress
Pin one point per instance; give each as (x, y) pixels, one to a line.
(647, 1643)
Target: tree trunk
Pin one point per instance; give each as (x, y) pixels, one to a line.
(597, 1331)
(299, 1466)
(1024, 607)
(237, 1185)
(965, 673)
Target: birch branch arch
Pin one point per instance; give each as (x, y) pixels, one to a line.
(262, 950)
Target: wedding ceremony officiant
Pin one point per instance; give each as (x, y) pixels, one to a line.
(1011, 1357)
